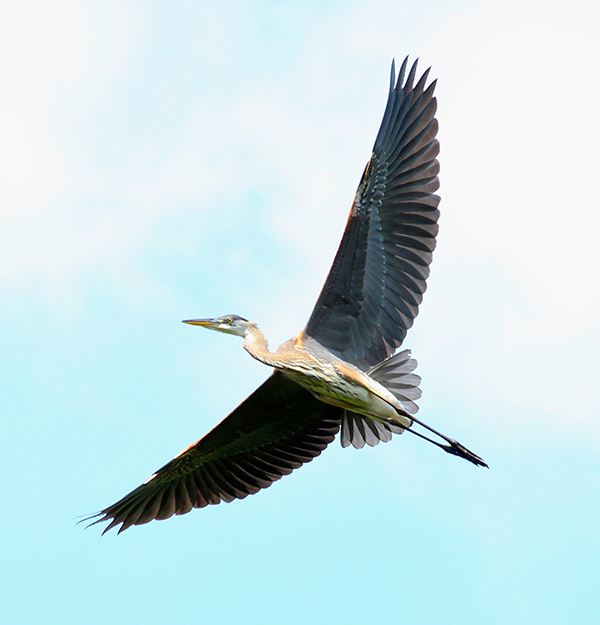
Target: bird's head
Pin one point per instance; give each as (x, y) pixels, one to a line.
(229, 324)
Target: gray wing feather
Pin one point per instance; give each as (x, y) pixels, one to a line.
(396, 375)
(358, 431)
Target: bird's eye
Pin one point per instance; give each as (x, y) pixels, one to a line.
(229, 320)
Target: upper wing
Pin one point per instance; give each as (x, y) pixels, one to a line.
(377, 280)
(277, 429)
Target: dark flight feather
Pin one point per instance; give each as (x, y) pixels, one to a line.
(277, 429)
(375, 286)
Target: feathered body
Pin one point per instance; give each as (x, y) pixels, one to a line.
(328, 378)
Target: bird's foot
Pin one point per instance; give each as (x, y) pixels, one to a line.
(457, 449)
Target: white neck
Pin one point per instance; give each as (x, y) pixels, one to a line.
(257, 346)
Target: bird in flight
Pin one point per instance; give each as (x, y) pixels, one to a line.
(341, 371)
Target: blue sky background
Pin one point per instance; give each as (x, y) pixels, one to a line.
(162, 161)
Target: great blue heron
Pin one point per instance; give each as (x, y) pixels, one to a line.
(340, 370)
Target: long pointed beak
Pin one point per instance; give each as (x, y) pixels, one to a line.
(206, 323)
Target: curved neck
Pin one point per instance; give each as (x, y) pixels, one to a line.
(257, 346)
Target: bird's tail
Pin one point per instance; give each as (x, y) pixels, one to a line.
(396, 374)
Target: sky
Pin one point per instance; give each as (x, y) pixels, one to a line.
(165, 161)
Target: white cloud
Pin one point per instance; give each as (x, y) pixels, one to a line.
(58, 61)
(515, 273)
(519, 159)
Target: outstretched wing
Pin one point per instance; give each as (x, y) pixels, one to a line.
(377, 280)
(276, 430)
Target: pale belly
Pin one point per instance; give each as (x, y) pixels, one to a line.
(350, 396)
